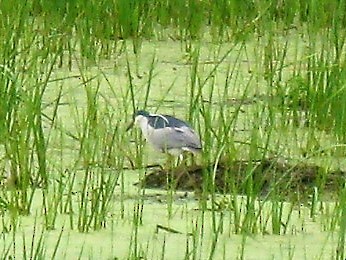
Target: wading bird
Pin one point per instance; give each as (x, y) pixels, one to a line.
(166, 133)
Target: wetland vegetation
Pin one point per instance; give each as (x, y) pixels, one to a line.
(263, 83)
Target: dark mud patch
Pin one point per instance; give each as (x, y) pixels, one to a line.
(264, 177)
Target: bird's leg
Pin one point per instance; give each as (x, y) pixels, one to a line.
(180, 159)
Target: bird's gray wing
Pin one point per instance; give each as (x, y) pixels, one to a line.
(175, 138)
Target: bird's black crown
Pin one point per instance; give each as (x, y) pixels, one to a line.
(141, 113)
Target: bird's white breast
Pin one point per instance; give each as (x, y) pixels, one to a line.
(142, 122)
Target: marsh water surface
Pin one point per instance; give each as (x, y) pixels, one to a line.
(160, 223)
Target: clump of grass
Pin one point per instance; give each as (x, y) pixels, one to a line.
(304, 92)
(24, 142)
(97, 185)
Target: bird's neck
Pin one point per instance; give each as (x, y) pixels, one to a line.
(143, 124)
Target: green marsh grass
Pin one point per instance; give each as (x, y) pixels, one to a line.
(340, 249)
(289, 93)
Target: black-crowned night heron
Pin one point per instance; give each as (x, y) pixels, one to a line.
(166, 133)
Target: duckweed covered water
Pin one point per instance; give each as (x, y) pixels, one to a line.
(191, 233)
(151, 224)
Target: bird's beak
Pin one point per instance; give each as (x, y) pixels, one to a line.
(130, 126)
